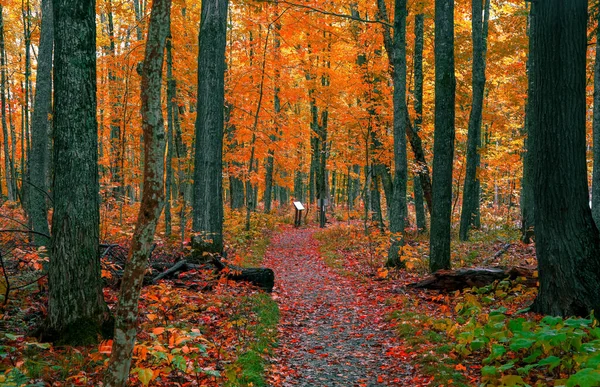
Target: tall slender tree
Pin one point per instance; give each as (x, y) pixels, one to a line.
(8, 167)
(418, 105)
(527, 206)
(443, 147)
(40, 129)
(208, 158)
(76, 306)
(479, 32)
(153, 196)
(567, 241)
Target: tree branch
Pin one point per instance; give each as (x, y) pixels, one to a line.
(324, 12)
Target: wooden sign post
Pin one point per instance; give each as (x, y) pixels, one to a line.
(298, 216)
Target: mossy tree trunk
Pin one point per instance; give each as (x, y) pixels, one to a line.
(153, 196)
(76, 307)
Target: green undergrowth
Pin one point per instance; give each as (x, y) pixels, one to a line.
(250, 246)
(249, 368)
(521, 351)
(429, 346)
(481, 332)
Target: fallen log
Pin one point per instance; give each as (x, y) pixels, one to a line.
(452, 280)
(262, 277)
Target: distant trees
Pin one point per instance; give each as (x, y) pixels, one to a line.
(76, 307)
(443, 148)
(567, 240)
(208, 158)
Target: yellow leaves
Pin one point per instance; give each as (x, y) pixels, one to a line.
(145, 375)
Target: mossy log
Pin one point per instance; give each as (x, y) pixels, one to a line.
(452, 280)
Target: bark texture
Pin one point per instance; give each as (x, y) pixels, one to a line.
(596, 130)
(527, 209)
(208, 160)
(567, 241)
(153, 197)
(8, 163)
(443, 147)
(40, 129)
(418, 105)
(470, 205)
(76, 307)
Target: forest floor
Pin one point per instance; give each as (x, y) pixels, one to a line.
(336, 317)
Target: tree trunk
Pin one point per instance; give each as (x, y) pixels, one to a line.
(8, 170)
(527, 205)
(208, 160)
(171, 106)
(76, 307)
(443, 148)
(419, 205)
(153, 196)
(596, 130)
(418, 105)
(269, 166)
(40, 129)
(25, 144)
(470, 205)
(567, 241)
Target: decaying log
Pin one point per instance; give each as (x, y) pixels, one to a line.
(262, 277)
(452, 280)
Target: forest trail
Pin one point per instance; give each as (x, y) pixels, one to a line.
(333, 330)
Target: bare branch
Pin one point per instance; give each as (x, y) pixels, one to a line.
(324, 12)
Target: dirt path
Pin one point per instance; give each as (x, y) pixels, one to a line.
(333, 328)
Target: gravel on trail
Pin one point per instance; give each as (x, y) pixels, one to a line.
(333, 330)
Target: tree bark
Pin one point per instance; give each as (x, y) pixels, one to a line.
(153, 196)
(76, 307)
(596, 130)
(527, 206)
(3, 81)
(470, 205)
(171, 106)
(25, 124)
(443, 148)
(208, 159)
(8, 168)
(567, 241)
(40, 129)
(418, 105)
